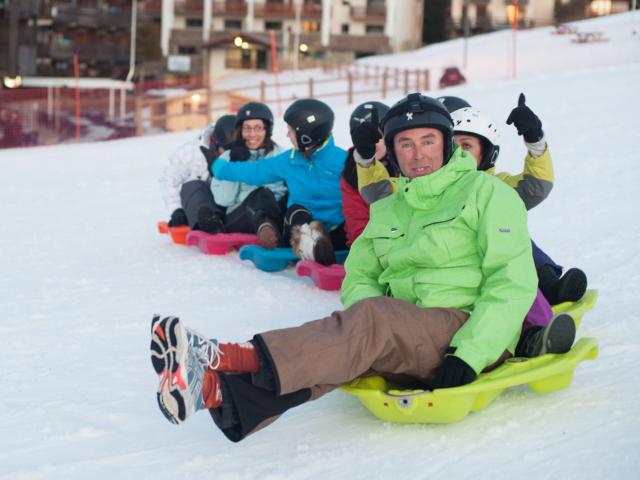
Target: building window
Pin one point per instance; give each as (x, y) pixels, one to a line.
(310, 26)
(344, 28)
(194, 23)
(273, 26)
(187, 50)
(233, 24)
(374, 29)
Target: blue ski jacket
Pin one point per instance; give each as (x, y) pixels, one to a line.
(313, 184)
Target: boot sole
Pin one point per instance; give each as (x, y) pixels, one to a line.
(168, 357)
(560, 335)
(574, 284)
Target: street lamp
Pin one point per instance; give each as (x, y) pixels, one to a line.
(296, 38)
(132, 49)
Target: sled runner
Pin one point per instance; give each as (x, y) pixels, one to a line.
(277, 259)
(543, 374)
(325, 277)
(220, 243)
(178, 234)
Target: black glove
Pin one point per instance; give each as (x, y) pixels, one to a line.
(210, 156)
(452, 373)
(527, 122)
(239, 152)
(364, 138)
(178, 218)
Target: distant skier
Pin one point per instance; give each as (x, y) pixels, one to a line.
(436, 287)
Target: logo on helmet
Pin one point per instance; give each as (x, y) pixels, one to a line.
(409, 116)
(311, 118)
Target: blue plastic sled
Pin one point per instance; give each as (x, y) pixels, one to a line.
(277, 259)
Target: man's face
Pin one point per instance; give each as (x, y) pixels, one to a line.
(471, 144)
(291, 134)
(419, 151)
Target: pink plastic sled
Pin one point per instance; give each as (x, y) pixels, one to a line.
(325, 277)
(220, 243)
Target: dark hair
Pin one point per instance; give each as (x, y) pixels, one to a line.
(268, 144)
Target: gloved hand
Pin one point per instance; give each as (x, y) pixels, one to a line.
(527, 122)
(453, 372)
(178, 218)
(210, 156)
(239, 152)
(364, 137)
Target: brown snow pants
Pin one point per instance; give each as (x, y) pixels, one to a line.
(379, 335)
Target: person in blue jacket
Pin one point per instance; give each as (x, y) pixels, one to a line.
(313, 222)
(240, 207)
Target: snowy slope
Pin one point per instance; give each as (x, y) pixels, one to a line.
(84, 270)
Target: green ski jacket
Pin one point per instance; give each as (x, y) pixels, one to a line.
(456, 238)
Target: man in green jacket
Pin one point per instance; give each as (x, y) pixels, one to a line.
(436, 290)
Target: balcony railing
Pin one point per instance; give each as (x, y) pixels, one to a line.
(90, 17)
(281, 10)
(230, 8)
(370, 13)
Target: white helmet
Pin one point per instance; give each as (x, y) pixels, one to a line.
(472, 121)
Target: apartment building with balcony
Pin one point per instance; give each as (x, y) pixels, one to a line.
(236, 33)
(488, 15)
(44, 35)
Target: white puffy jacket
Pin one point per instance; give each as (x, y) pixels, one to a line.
(185, 164)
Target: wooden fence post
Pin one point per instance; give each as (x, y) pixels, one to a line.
(263, 91)
(427, 82)
(366, 73)
(395, 78)
(349, 88)
(406, 81)
(138, 116)
(376, 78)
(418, 80)
(310, 87)
(384, 83)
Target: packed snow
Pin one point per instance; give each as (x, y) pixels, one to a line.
(85, 269)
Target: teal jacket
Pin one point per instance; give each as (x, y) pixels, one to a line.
(458, 239)
(232, 194)
(312, 183)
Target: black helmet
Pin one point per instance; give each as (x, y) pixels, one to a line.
(417, 111)
(452, 103)
(255, 110)
(368, 112)
(224, 131)
(312, 120)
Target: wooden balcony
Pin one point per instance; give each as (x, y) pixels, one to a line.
(230, 8)
(370, 13)
(91, 18)
(282, 10)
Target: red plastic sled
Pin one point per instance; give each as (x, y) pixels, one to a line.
(178, 234)
(220, 243)
(325, 277)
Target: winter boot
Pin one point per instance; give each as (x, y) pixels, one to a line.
(571, 286)
(268, 236)
(310, 242)
(184, 361)
(556, 337)
(209, 221)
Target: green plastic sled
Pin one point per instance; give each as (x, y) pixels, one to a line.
(543, 374)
